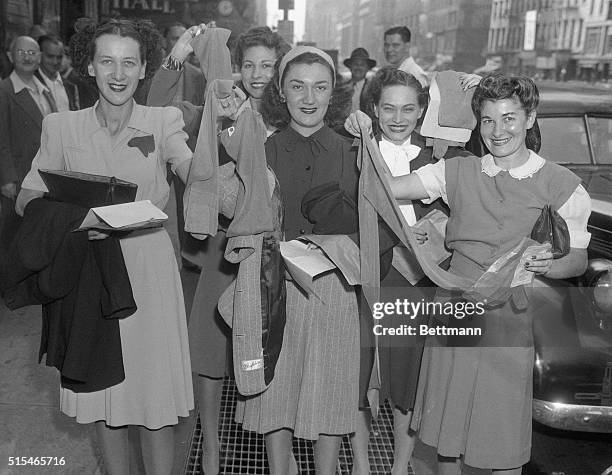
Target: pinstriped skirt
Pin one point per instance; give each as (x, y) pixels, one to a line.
(315, 389)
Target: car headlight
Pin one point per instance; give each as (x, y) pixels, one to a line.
(599, 278)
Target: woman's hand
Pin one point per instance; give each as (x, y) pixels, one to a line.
(419, 234)
(468, 80)
(94, 235)
(228, 106)
(182, 48)
(540, 264)
(356, 121)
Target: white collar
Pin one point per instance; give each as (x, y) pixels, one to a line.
(408, 61)
(19, 85)
(58, 77)
(411, 151)
(533, 164)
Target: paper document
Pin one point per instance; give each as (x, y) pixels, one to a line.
(342, 251)
(124, 217)
(304, 264)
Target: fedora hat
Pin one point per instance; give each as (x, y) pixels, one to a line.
(360, 53)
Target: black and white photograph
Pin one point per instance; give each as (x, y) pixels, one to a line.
(286, 237)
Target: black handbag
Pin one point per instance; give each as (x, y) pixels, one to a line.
(551, 227)
(86, 189)
(330, 209)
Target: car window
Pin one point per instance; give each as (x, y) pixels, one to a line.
(601, 135)
(564, 139)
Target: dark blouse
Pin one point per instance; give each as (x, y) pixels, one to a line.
(301, 163)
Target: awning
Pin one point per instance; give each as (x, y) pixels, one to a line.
(588, 63)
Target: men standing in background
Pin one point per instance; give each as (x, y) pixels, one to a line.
(87, 90)
(397, 53)
(64, 93)
(359, 63)
(24, 101)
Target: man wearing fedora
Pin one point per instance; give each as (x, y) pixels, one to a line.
(359, 63)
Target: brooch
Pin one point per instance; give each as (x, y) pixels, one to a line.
(146, 144)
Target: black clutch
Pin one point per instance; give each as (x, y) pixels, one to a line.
(86, 189)
(330, 210)
(551, 227)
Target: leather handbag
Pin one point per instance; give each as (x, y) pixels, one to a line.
(551, 227)
(86, 189)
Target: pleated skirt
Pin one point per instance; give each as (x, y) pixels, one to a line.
(315, 389)
(158, 384)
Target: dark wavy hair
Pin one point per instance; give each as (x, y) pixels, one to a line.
(403, 31)
(259, 36)
(386, 77)
(275, 112)
(496, 87)
(144, 32)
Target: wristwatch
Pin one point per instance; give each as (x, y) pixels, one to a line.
(172, 64)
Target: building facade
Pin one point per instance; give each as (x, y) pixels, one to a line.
(343, 25)
(58, 16)
(595, 57)
(445, 33)
(553, 39)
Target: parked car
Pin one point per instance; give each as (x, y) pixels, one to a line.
(573, 328)
(573, 367)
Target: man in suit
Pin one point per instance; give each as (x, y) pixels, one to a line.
(64, 92)
(359, 63)
(397, 53)
(24, 101)
(87, 90)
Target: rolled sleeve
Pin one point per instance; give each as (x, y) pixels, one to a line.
(433, 178)
(175, 151)
(576, 211)
(50, 156)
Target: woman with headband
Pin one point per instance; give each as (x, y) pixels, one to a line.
(315, 388)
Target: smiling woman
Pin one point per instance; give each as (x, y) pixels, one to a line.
(157, 388)
(474, 404)
(395, 102)
(117, 67)
(314, 391)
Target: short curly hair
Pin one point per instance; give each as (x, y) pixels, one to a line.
(275, 112)
(497, 86)
(386, 77)
(259, 36)
(144, 32)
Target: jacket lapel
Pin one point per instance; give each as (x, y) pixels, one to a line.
(25, 101)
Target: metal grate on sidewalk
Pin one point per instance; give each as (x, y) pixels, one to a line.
(243, 452)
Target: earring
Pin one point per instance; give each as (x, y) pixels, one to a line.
(282, 98)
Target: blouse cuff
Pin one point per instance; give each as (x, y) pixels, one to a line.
(433, 178)
(576, 211)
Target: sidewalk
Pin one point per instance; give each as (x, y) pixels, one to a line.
(32, 425)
